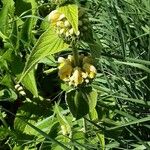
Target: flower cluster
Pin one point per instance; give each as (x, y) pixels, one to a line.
(76, 75)
(63, 26)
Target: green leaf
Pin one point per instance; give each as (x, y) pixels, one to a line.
(4, 132)
(30, 83)
(49, 43)
(71, 13)
(4, 18)
(26, 32)
(29, 123)
(77, 103)
(91, 96)
(47, 136)
(7, 81)
(93, 115)
(26, 7)
(14, 37)
(81, 101)
(8, 6)
(7, 95)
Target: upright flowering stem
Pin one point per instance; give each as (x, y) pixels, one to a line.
(75, 53)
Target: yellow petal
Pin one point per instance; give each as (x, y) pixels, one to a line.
(61, 59)
(65, 72)
(53, 16)
(76, 78)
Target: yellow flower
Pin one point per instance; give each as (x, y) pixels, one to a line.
(76, 78)
(90, 69)
(65, 68)
(61, 60)
(65, 72)
(60, 24)
(54, 16)
(71, 58)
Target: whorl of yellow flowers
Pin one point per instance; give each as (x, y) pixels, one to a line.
(63, 26)
(76, 75)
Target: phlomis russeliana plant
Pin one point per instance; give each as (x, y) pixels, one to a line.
(69, 71)
(76, 70)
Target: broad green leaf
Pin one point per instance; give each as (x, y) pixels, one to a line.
(7, 8)
(4, 18)
(49, 43)
(29, 123)
(71, 13)
(81, 101)
(78, 105)
(44, 125)
(7, 81)
(91, 95)
(47, 136)
(30, 83)
(26, 32)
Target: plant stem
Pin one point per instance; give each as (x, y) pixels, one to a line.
(75, 53)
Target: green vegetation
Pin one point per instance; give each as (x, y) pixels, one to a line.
(77, 78)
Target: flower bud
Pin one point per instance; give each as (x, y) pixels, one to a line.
(90, 69)
(53, 16)
(78, 33)
(60, 24)
(61, 31)
(61, 60)
(67, 34)
(67, 24)
(76, 78)
(71, 31)
(61, 17)
(17, 86)
(65, 72)
(70, 57)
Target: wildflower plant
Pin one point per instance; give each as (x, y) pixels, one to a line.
(68, 27)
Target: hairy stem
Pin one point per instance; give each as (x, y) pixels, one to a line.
(75, 53)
